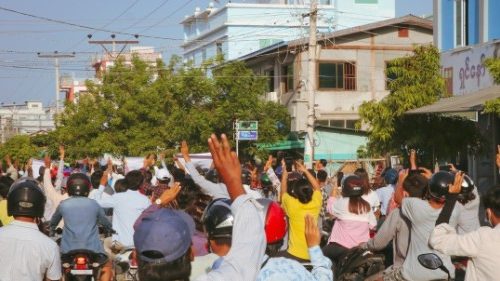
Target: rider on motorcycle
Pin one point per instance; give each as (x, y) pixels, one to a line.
(81, 218)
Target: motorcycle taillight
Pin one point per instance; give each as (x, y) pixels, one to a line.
(81, 263)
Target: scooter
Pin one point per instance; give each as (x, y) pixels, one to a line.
(358, 264)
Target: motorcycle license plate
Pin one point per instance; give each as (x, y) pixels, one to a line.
(81, 271)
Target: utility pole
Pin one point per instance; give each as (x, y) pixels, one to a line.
(112, 54)
(56, 56)
(311, 86)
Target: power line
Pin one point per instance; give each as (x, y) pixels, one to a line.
(168, 16)
(148, 15)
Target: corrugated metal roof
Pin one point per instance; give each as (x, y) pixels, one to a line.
(464, 103)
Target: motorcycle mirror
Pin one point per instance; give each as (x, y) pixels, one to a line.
(430, 261)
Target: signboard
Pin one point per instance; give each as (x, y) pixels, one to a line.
(248, 135)
(465, 67)
(247, 125)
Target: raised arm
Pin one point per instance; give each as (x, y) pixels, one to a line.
(60, 170)
(284, 179)
(104, 201)
(322, 266)
(208, 187)
(399, 192)
(312, 180)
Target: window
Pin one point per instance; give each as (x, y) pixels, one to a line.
(337, 123)
(403, 32)
(288, 77)
(322, 123)
(218, 47)
(270, 80)
(389, 77)
(268, 42)
(447, 74)
(337, 75)
(461, 26)
(350, 124)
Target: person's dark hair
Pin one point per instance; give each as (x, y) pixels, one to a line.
(148, 176)
(273, 249)
(155, 157)
(134, 179)
(323, 162)
(222, 241)
(178, 174)
(41, 172)
(95, 179)
(302, 190)
(120, 185)
(415, 185)
(322, 175)
(363, 174)
(491, 200)
(179, 269)
(193, 201)
(340, 176)
(5, 183)
(358, 205)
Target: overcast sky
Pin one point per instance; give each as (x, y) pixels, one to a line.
(24, 76)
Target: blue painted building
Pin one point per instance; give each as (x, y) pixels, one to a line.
(237, 28)
(459, 23)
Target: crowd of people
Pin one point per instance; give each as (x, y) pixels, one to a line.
(276, 220)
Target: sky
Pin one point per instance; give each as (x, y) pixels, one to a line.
(24, 76)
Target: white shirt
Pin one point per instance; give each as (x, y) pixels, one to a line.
(482, 246)
(127, 207)
(53, 196)
(27, 254)
(372, 199)
(384, 195)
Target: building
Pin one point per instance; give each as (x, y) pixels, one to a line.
(468, 32)
(460, 23)
(351, 69)
(237, 28)
(74, 87)
(28, 118)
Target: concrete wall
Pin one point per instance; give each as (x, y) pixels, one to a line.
(243, 25)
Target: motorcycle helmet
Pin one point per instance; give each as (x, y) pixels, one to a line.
(265, 181)
(218, 219)
(391, 176)
(352, 186)
(26, 198)
(467, 188)
(439, 184)
(275, 224)
(78, 185)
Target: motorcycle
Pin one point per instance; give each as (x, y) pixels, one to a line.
(125, 265)
(358, 264)
(433, 261)
(82, 265)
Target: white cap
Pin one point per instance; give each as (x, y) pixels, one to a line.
(163, 174)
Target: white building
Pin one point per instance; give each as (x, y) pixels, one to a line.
(28, 118)
(237, 28)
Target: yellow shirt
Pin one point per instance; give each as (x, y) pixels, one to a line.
(296, 212)
(4, 218)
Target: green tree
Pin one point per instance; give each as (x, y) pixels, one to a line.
(493, 65)
(138, 108)
(418, 82)
(19, 148)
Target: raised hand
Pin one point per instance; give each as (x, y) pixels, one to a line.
(269, 163)
(227, 164)
(313, 237)
(170, 194)
(46, 161)
(456, 186)
(185, 151)
(61, 152)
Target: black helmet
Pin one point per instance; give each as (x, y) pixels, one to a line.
(218, 219)
(78, 185)
(26, 198)
(265, 181)
(467, 187)
(439, 184)
(352, 186)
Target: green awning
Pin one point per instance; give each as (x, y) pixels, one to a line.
(283, 145)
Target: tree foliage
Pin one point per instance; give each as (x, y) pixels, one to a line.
(138, 109)
(493, 65)
(19, 147)
(418, 83)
